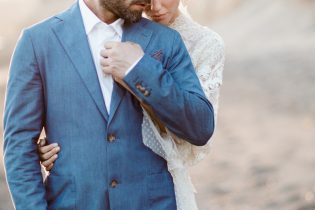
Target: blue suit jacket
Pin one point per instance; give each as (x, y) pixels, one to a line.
(103, 163)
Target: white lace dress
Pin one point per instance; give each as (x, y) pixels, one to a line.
(206, 49)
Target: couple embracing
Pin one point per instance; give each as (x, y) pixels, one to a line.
(125, 108)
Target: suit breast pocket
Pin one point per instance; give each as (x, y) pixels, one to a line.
(60, 192)
(161, 191)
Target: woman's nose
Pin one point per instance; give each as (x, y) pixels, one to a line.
(155, 5)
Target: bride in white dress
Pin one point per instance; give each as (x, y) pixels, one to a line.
(206, 49)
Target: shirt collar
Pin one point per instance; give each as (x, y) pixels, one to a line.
(90, 20)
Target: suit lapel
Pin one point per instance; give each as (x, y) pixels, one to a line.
(136, 33)
(71, 34)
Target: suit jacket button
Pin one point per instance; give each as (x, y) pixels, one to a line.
(142, 89)
(146, 93)
(111, 137)
(138, 86)
(114, 183)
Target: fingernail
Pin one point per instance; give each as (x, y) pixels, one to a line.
(58, 148)
(56, 156)
(55, 144)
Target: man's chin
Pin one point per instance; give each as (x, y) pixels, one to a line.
(133, 17)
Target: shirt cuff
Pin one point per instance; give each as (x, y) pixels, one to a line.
(133, 65)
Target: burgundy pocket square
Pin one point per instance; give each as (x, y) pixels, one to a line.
(158, 55)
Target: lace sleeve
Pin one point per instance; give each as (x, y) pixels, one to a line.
(208, 56)
(209, 63)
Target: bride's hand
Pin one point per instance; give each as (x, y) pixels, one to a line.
(47, 153)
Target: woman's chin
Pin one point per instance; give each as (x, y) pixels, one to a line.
(163, 21)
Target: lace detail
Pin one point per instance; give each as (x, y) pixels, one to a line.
(166, 147)
(206, 49)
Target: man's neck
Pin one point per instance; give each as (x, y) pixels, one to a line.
(100, 11)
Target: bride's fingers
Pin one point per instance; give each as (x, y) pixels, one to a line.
(45, 149)
(50, 161)
(49, 167)
(49, 154)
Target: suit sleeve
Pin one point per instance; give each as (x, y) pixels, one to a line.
(23, 122)
(175, 94)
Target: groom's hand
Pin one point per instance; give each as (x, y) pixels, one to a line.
(118, 57)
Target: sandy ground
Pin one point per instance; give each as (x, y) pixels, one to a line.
(262, 156)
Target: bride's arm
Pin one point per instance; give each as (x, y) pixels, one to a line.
(209, 64)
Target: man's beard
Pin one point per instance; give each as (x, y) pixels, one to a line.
(119, 8)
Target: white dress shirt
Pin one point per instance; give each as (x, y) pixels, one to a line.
(98, 34)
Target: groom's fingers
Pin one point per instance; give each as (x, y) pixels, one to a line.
(105, 65)
(105, 62)
(111, 45)
(105, 53)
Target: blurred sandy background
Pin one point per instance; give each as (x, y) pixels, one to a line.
(263, 156)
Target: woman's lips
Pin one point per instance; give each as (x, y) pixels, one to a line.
(158, 16)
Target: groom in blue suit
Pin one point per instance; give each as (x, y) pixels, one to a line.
(55, 84)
